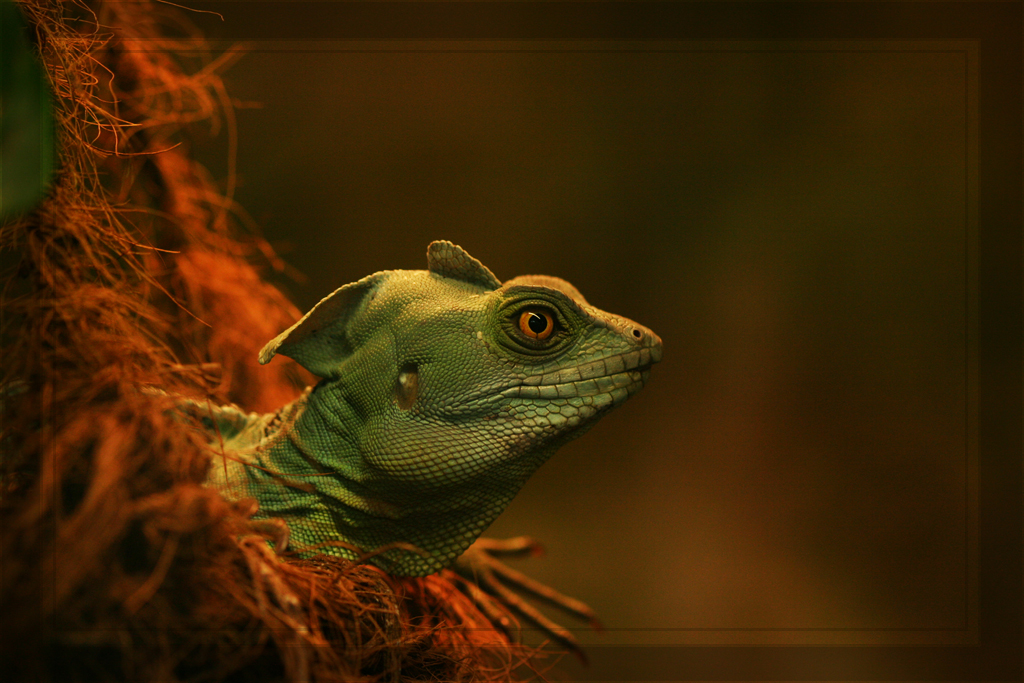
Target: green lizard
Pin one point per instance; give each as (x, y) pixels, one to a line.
(442, 391)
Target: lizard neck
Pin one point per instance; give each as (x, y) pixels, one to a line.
(311, 470)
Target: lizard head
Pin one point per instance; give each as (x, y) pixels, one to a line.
(455, 387)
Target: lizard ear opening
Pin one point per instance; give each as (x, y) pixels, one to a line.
(317, 342)
(452, 261)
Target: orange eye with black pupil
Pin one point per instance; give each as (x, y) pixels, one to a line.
(536, 324)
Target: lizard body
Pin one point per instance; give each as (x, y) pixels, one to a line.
(443, 390)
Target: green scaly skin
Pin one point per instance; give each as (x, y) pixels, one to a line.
(434, 409)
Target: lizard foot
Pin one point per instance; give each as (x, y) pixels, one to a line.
(487, 576)
(275, 530)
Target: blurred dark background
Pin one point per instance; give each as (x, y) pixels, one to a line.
(792, 220)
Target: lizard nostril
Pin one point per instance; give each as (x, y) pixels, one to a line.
(638, 334)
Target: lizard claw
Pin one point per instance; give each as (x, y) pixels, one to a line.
(275, 530)
(487, 576)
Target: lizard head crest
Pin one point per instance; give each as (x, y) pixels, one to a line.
(452, 261)
(318, 341)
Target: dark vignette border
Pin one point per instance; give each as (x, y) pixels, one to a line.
(997, 26)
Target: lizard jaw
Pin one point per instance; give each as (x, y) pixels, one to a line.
(618, 376)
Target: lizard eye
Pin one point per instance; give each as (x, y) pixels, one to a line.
(531, 325)
(536, 323)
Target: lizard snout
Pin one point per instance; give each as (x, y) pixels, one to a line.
(646, 340)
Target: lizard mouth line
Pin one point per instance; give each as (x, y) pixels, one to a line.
(619, 376)
(619, 386)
